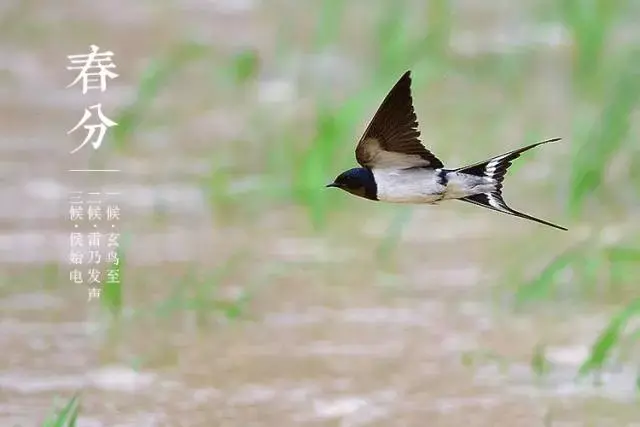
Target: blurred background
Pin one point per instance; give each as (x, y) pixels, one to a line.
(250, 295)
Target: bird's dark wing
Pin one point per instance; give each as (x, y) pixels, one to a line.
(392, 139)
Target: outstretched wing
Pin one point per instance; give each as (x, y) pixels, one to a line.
(392, 139)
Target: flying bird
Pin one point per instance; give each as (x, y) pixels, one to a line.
(397, 168)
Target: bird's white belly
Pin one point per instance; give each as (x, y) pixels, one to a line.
(408, 186)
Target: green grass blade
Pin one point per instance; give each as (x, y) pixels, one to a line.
(591, 159)
(111, 297)
(540, 287)
(329, 22)
(154, 78)
(67, 417)
(608, 339)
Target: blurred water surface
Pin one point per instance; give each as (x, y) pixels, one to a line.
(333, 330)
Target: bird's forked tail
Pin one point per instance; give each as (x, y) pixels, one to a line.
(496, 168)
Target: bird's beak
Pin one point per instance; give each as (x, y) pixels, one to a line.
(333, 184)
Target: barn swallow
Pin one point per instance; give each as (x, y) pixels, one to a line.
(397, 168)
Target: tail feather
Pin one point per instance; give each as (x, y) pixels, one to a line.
(496, 168)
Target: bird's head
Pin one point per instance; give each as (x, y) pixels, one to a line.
(357, 181)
